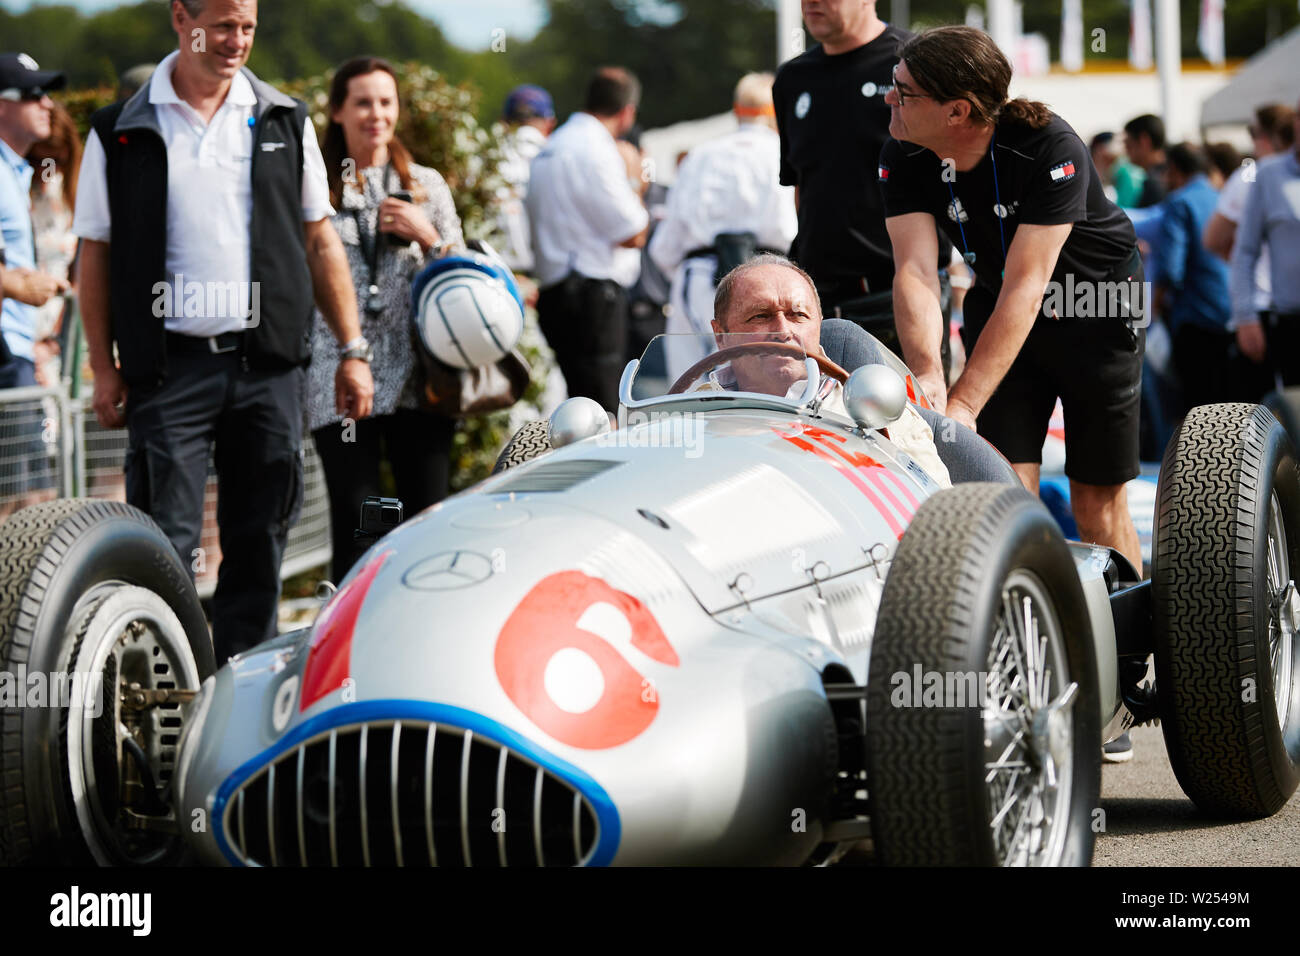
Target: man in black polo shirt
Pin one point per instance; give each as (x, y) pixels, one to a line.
(833, 120)
(1058, 306)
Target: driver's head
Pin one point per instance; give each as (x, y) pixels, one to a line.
(771, 294)
(775, 300)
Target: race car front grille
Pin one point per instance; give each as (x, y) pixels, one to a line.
(407, 793)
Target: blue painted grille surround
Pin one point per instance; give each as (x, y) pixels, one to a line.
(376, 710)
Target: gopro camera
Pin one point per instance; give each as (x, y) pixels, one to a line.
(379, 516)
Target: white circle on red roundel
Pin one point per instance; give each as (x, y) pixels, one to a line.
(573, 680)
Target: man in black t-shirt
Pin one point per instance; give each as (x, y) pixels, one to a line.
(833, 120)
(1058, 306)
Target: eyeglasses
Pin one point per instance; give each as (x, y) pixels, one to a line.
(34, 95)
(902, 96)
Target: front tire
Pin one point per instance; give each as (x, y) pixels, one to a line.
(1225, 549)
(92, 595)
(532, 439)
(983, 584)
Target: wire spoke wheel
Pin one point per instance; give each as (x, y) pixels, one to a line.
(1284, 609)
(1028, 732)
(1001, 764)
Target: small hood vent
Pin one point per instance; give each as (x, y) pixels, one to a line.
(555, 476)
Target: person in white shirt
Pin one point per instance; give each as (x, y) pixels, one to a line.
(728, 186)
(203, 210)
(1272, 134)
(581, 209)
(530, 116)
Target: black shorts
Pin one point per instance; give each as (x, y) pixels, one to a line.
(1094, 366)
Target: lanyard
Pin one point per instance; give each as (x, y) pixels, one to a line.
(372, 249)
(967, 255)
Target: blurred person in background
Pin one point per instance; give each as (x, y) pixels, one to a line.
(728, 191)
(1223, 160)
(529, 115)
(133, 80)
(394, 217)
(627, 259)
(1123, 181)
(26, 118)
(1192, 291)
(581, 209)
(57, 162)
(1272, 218)
(647, 288)
(1144, 142)
(1272, 133)
(26, 112)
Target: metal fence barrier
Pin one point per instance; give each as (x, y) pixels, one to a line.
(51, 445)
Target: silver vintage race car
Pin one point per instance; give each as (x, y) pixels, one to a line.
(742, 627)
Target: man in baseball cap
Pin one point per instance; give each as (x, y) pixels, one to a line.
(25, 109)
(530, 118)
(21, 78)
(528, 102)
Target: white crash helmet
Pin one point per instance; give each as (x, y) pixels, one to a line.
(467, 310)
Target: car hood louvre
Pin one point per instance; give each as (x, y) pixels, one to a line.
(550, 476)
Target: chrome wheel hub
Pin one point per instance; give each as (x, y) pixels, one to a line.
(132, 646)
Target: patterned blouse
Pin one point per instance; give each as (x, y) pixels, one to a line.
(389, 332)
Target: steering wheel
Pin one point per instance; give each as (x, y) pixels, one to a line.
(826, 366)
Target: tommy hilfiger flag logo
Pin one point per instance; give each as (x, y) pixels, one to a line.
(1062, 172)
(882, 173)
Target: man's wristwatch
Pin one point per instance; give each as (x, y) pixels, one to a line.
(358, 348)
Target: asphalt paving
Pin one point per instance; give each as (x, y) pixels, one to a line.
(1149, 822)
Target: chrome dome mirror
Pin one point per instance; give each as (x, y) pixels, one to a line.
(576, 419)
(875, 396)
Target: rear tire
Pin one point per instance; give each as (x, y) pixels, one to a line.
(942, 778)
(532, 439)
(71, 572)
(1225, 549)
(1285, 406)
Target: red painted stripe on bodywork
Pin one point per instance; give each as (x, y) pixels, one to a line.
(330, 658)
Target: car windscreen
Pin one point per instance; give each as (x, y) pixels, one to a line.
(738, 363)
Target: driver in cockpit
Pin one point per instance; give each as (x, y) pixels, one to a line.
(774, 300)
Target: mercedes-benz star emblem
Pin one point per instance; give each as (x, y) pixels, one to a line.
(449, 570)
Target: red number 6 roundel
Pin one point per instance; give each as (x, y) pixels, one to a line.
(571, 611)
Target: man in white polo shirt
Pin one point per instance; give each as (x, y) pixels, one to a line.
(726, 205)
(581, 208)
(204, 214)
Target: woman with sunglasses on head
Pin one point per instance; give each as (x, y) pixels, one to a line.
(394, 217)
